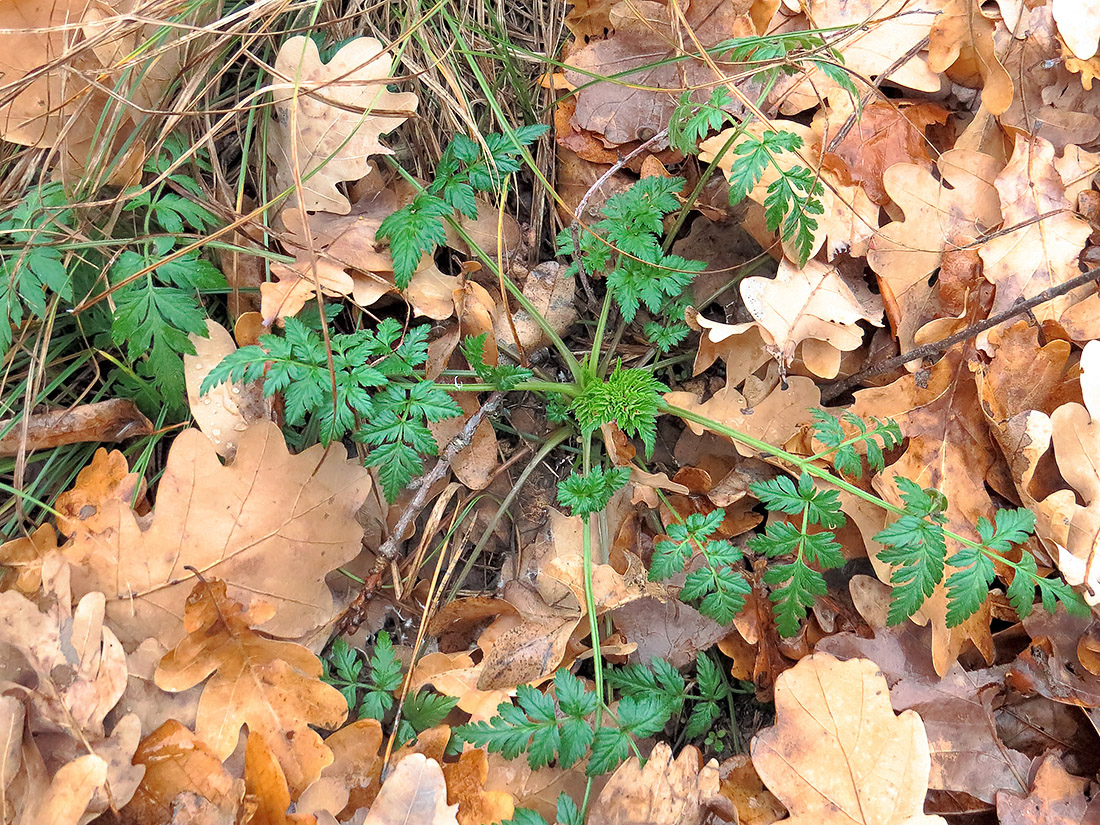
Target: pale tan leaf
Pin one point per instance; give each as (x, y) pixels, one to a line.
(246, 523)
(272, 686)
(666, 791)
(414, 792)
(837, 753)
(1079, 24)
(325, 129)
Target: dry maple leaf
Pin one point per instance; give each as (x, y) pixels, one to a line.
(905, 253)
(837, 753)
(246, 523)
(665, 791)
(177, 762)
(414, 792)
(948, 449)
(813, 306)
(330, 117)
(272, 686)
(639, 101)
(1056, 798)
(1043, 253)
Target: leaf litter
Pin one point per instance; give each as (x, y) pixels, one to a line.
(163, 644)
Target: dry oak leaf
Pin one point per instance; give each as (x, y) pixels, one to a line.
(641, 98)
(246, 523)
(68, 795)
(81, 666)
(330, 116)
(886, 132)
(837, 753)
(265, 787)
(960, 44)
(352, 780)
(812, 305)
(1043, 253)
(176, 761)
(741, 786)
(1079, 24)
(455, 674)
(227, 409)
(1050, 101)
(868, 50)
(272, 686)
(1056, 798)
(106, 478)
(22, 560)
(666, 791)
(949, 449)
(775, 419)
(414, 792)
(466, 786)
(940, 215)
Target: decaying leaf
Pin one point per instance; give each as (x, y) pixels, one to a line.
(232, 522)
(837, 753)
(330, 116)
(274, 687)
(1056, 798)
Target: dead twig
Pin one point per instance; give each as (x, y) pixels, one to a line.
(838, 389)
(390, 548)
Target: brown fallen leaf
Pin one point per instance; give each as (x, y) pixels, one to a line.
(899, 26)
(740, 784)
(324, 129)
(265, 787)
(961, 45)
(837, 753)
(68, 795)
(177, 762)
(1056, 798)
(274, 687)
(455, 674)
(115, 420)
(224, 412)
(232, 522)
(811, 304)
(1042, 253)
(106, 478)
(666, 791)
(353, 778)
(22, 560)
(1079, 24)
(414, 792)
(638, 103)
(937, 218)
(466, 787)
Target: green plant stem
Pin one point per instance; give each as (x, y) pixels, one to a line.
(601, 326)
(806, 465)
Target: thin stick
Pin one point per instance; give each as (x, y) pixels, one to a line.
(390, 548)
(936, 347)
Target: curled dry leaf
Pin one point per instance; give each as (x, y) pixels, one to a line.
(326, 126)
(117, 419)
(225, 412)
(22, 560)
(274, 687)
(837, 753)
(666, 791)
(961, 45)
(246, 523)
(414, 792)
